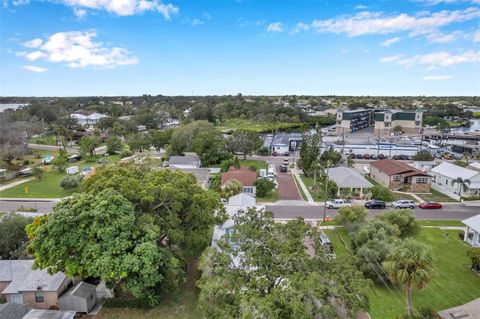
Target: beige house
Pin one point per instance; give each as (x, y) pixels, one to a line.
(397, 175)
(33, 288)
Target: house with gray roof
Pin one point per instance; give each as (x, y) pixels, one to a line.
(20, 284)
(202, 175)
(349, 180)
(12, 311)
(472, 233)
(188, 160)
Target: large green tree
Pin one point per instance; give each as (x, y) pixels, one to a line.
(264, 270)
(135, 228)
(244, 142)
(310, 150)
(13, 238)
(88, 144)
(410, 264)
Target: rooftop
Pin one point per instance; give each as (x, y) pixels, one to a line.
(201, 174)
(187, 159)
(49, 314)
(348, 177)
(473, 222)
(23, 278)
(242, 199)
(243, 174)
(393, 167)
(454, 171)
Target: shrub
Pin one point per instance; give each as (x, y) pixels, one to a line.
(471, 198)
(461, 235)
(382, 193)
(26, 162)
(225, 165)
(404, 220)
(423, 156)
(70, 182)
(263, 151)
(253, 167)
(232, 187)
(349, 216)
(263, 186)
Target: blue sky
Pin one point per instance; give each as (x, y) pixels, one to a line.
(133, 47)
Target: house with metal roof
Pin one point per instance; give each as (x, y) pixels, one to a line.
(444, 174)
(472, 233)
(202, 175)
(397, 175)
(349, 180)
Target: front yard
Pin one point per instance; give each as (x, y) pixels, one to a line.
(454, 283)
(436, 196)
(47, 187)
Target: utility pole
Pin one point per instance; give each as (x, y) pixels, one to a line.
(326, 193)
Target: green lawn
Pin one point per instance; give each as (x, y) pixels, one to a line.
(271, 196)
(257, 163)
(436, 196)
(184, 308)
(398, 196)
(454, 283)
(440, 223)
(334, 235)
(47, 187)
(317, 196)
(44, 140)
(248, 125)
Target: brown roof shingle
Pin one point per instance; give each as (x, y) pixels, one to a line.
(391, 167)
(243, 174)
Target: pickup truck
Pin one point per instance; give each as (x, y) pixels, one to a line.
(338, 203)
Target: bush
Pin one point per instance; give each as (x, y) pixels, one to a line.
(263, 151)
(349, 216)
(26, 162)
(382, 193)
(70, 182)
(263, 186)
(471, 198)
(461, 235)
(225, 165)
(253, 167)
(423, 156)
(404, 220)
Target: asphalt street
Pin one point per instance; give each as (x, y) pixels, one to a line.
(458, 212)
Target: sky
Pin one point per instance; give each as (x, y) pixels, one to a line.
(196, 47)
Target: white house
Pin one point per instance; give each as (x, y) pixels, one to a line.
(86, 120)
(444, 174)
(472, 233)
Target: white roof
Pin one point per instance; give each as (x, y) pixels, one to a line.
(475, 165)
(454, 171)
(348, 177)
(242, 199)
(473, 222)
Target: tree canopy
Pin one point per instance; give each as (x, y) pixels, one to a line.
(14, 238)
(270, 274)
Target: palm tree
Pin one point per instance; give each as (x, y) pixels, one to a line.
(315, 168)
(466, 156)
(409, 264)
(462, 184)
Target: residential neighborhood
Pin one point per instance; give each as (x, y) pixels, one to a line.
(166, 159)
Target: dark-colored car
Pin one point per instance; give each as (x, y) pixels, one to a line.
(373, 157)
(373, 204)
(358, 156)
(286, 153)
(352, 155)
(403, 157)
(283, 168)
(381, 156)
(396, 157)
(430, 205)
(366, 156)
(326, 243)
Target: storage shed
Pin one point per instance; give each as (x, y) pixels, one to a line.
(80, 298)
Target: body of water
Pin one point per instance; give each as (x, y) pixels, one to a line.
(12, 106)
(474, 127)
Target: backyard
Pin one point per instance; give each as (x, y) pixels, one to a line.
(454, 283)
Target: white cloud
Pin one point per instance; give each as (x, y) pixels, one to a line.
(390, 59)
(360, 7)
(122, 7)
(79, 12)
(197, 22)
(435, 2)
(35, 69)
(436, 59)
(20, 2)
(275, 27)
(35, 43)
(364, 23)
(437, 77)
(389, 42)
(300, 27)
(439, 37)
(476, 36)
(76, 49)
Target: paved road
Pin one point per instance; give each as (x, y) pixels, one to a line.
(316, 212)
(43, 206)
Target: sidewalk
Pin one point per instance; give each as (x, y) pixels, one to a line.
(7, 186)
(296, 175)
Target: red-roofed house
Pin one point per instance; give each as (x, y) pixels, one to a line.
(397, 175)
(244, 175)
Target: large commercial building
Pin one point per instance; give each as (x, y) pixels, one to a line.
(382, 121)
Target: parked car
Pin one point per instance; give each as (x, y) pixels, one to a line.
(74, 158)
(396, 157)
(286, 153)
(448, 156)
(403, 157)
(375, 204)
(352, 155)
(373, 157)
(283, 168)
(381, 156)
(274, 153)
(403, 203)
(24, 172)
(358, 156)
(430, 205)
(366, 156)
(338, 203)
(325, 241)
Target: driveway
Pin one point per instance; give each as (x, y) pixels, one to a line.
(287, 189)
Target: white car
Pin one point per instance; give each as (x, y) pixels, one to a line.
(403, 203)
(338, 203)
